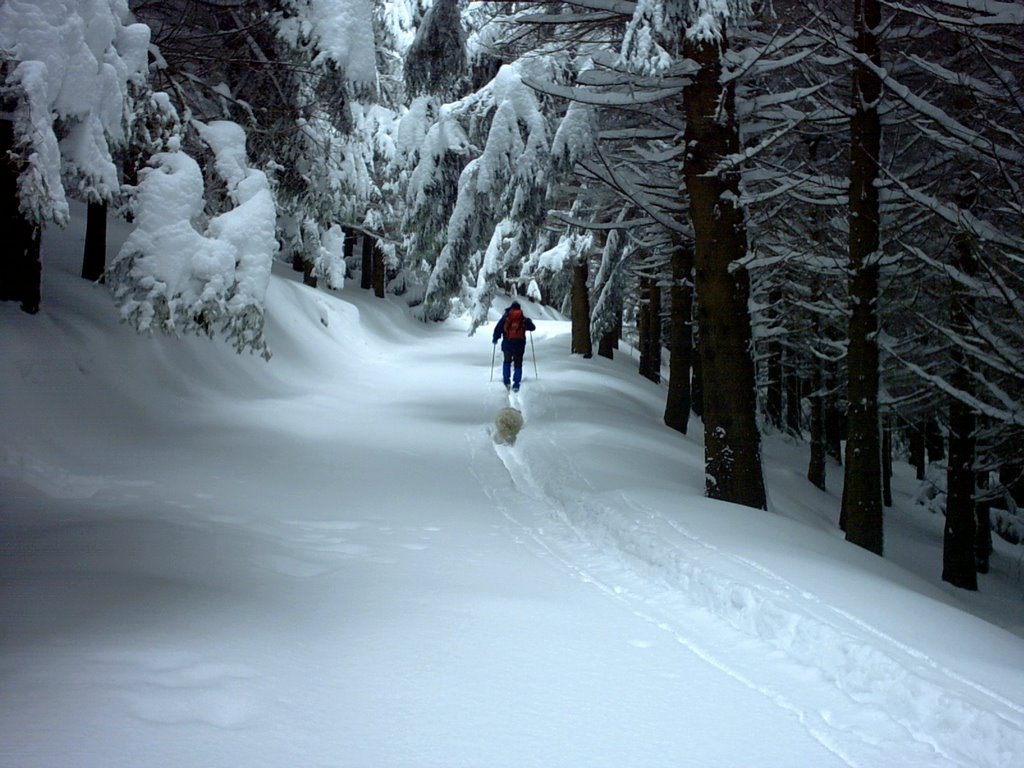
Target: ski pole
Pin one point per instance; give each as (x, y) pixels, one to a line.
(534, 351)
(494, 351)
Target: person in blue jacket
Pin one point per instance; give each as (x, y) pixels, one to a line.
(511, 329)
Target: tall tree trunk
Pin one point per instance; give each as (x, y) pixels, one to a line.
(366, 264)
(697, 380)
(609, 342)
(94, 258)
(680, 341)
(732, 442)
(581, 342)
(861, 515)
(983, 530)
(915, 436)
(649, 329)
(380, 271)
(959, 566)
(835, 418)
(934, 442)
(794, 399)
(958, 544)
(773, 386)
(20, 269)
(816, 465)
(606, 346)
(887, 460)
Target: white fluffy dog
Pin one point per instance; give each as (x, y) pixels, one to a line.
(507, 425)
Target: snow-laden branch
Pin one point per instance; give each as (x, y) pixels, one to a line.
(341, 32)
(1011, 412)
(630, 190)
(604, 98)
(987, 13)
(952, 214)
(967, 137)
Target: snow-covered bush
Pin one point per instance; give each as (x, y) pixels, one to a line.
(180, 272)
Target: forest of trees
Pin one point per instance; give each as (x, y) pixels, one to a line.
(809, 213)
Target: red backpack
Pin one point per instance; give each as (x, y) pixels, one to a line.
(515, 328)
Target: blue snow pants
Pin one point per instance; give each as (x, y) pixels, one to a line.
(512, 367)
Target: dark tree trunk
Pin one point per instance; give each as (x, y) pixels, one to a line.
(959, 542)
(887, 461)
(581, 343)
(94, 259)
(732, 442)
(816, 465)
(301, 264)
(697, 379)
(20, 269)
(380, 271)
(861, 515)
(983, 529)
(915, 437)
(773, 386)
(649, 328)
(643, 321)
(934, 441)
(366, 266)
(958, 546)
(606, 346)
(348, 249)
(609, 342)
(680, 341)
(794, 398)
(835, 419)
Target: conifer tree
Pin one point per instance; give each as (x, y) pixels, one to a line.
(861, 515)
(731, 436)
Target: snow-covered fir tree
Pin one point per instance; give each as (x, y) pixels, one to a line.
(501, 194)
(68, 69)
(175, 277)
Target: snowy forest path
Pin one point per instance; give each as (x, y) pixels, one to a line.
(322, 559)
(874, 698)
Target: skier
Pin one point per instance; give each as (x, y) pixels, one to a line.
(511, 329)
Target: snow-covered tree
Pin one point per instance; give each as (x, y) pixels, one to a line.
(296, 74)
(435, 62)
(433, 149)
(501, 192)
(433, 146)
(183, 270)
(68, 68)
(331, 177)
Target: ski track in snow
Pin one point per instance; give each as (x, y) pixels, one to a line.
(879, 701)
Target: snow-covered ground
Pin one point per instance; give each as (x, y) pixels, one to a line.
(325, 560)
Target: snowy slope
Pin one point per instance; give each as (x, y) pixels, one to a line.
(208, 560)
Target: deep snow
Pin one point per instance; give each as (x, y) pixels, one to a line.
(324, 560)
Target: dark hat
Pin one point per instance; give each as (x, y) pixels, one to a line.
(514, 305)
